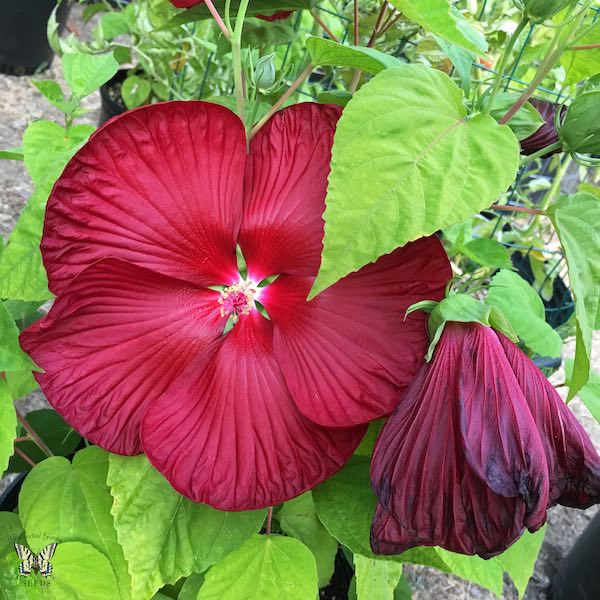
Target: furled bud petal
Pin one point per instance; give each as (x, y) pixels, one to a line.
(546, 135)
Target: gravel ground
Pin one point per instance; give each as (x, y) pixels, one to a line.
(21, 103)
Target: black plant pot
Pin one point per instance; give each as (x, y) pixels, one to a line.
(111, 103)
(9, 499)
(578, 577)
(24, 47)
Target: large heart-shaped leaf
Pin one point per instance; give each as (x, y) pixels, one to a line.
(407, 160)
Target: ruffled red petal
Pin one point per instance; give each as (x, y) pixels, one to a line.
(161, 187)
(185, 3)
(232, 437)
(278, 16)
(573, 463)
(348, 355)
(115, 339)
(458, 464)
(285, 186)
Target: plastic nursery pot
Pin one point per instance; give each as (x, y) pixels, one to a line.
(24, 47)
(578, 576)
(9, 499)
(111, 102)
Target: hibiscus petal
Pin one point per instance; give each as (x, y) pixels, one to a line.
(573, 462)
(348, 355)
(429, 496)
(114, 340)
(285, 185)
(232, 437)
(501, 440)
(160, 187)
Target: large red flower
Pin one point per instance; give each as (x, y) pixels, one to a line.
(479, 447)
(278, 16)
(143, 221)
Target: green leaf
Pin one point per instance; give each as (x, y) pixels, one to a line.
(345, 505)
(519, 560)
(488, 252)
(577, 222)
(11, 154)
(58, 435)
(525, 311)
(12, 358)
(164, 535)
(53, 92)
(135, 91)
(443, 19)
(264, 568)
(339, 97)
(20, 383)
(376, 579)
(582, 64)
(580, 131)
(298, 518)
(590, 392)
(526, 121)
(389, 186)
(329, 53)
(47, 147)
(85, 73)
(191, 587)
(113, 24)
(461, 59)
(71, 502)
(260, 34)
(8, 425)
(487, 573)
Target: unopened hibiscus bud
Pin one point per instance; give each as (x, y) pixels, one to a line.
(265, 74)
(542, 10)
(580, 131)
(477, 450)
(547, 134)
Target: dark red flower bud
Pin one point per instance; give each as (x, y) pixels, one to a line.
(546, 135)
(479, 447)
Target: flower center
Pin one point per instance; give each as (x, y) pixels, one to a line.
(237, 299)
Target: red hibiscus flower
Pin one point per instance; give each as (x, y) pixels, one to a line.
(546, 135)
(144, 219)
(283, 14)
(479, 447)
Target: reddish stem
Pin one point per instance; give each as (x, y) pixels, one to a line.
(269, 519)
(585, 47)
(32, 434)
(24, 457)
(323, 25)
(523, 209)
(356, 26)
(376, 29)
(217, 17)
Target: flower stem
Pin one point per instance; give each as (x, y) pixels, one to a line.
(236, 52)
(269, 520)
(299, 81)
(324, 27)
(512, 208)
(504, 62)
(585, 47)
(33, 435)
(540, 153)
(377, 27)
(356, 23)
(24, 457)
(217, 17)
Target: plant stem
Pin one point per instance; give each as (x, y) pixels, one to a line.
(323, 25)
(376, 29)
(512, 208)
(269, 520)
(217, 17)
(24, 457)
(32, 434)
(299, 81)
(540, 153)
(585, 47)
(504, 62)
(356, 23)
(236, 52)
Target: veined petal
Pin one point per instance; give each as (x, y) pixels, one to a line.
(499, 433)
(573, 462)
(231, 436)
(160, 187)
(114, 340)
(285, 186)
(428, 494)
(348, 355)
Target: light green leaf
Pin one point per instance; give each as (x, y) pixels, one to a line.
(85, 73)
(526, 121)
(577, 222)
(47, 147)
(12, 358)
(345, 505)
(113, 24)
(519, 560)
(135, 91)
(54, 94)
(389, 186)
(590, 392)
(164, 535)
(443, 19)
(8, 425)
(264, 568)
(11, 154)
(582, 64)
(488, 252)
(71, 502)
(339, 97)
(376, 579)
(298, 518)
(329, 53)
(191, 587)
(487, 573)
(461, 59)
(525, 311)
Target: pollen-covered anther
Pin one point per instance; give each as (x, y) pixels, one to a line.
(237, 299)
